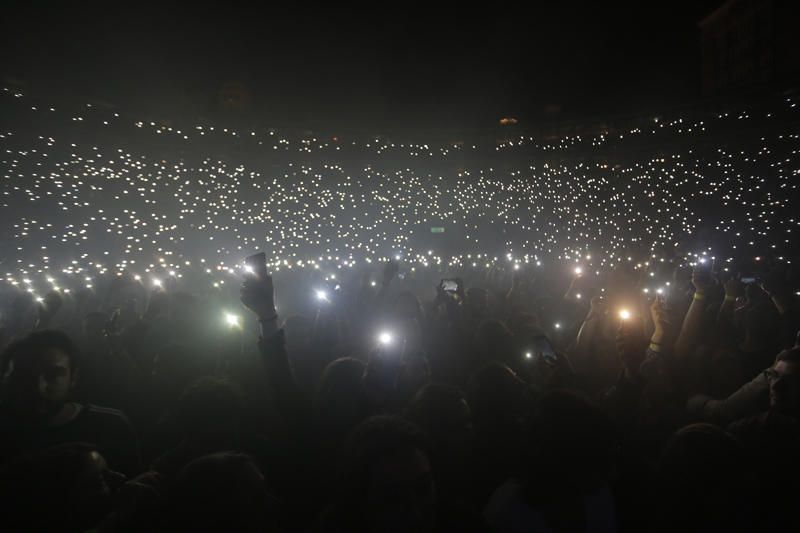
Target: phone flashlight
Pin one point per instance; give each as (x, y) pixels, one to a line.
(232, 320)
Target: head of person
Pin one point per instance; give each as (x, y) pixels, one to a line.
(223, 491)
(176, 365)
(94, 326)
(184, 311)
(298, 333)
(22, 312)
(700, 475)
(63, 488)
(414, 373)
(210, 412)
(387, 478)
(497, 398)
(407, 306)
(494, 341)
(477, 302)
(442, 412)
(39, 373)
(571, 446)
(784, 382)
(341, 400)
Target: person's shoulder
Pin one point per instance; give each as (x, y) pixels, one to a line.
(104, 415)
(100, 411)
(741, 427)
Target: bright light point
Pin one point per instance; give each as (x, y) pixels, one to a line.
(528, 355)
(372, 283)
(557, 325)
(659, 291)
(578, 271)
(322, 295)
(39, 299)
(137, 277)
(157, 282)
(385, 338)
(249, 269)
(232, 320)
(578, 296)
(516, 267)
(624, 314)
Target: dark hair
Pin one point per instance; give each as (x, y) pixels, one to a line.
(211, 494)
(375, 438)
(208, 403)
(433, 405)
(23, 352)
(571, 443)
(340, 376)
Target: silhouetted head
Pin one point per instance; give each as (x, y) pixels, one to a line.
(218, 493)
(387, 479)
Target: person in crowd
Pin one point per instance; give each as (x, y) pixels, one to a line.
(220, 492)
(67, 487)
(40, 372)
(356, 420)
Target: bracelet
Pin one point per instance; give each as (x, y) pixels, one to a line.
(699, 296)
(654, 346)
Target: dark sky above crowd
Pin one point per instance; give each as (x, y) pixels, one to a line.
(374, 66)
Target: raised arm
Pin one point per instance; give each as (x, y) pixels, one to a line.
(693, 320)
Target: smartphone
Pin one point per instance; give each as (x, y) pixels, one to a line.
(748, 281)
(258, 263)
(449, 285)
(543, 348)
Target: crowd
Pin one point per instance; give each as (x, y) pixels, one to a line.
(461, 411)
(107, 193)
(600, 335)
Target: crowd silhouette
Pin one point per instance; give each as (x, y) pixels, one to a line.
(459, 409)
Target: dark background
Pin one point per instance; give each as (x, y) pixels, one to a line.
(376, 67)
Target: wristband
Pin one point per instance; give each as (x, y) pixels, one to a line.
(699, 296)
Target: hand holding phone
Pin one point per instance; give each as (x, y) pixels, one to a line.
(449, 285)
(542, 347)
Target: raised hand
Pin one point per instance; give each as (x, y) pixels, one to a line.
(390, 271)
(734, 288)
(661, 319)
(702, 281)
